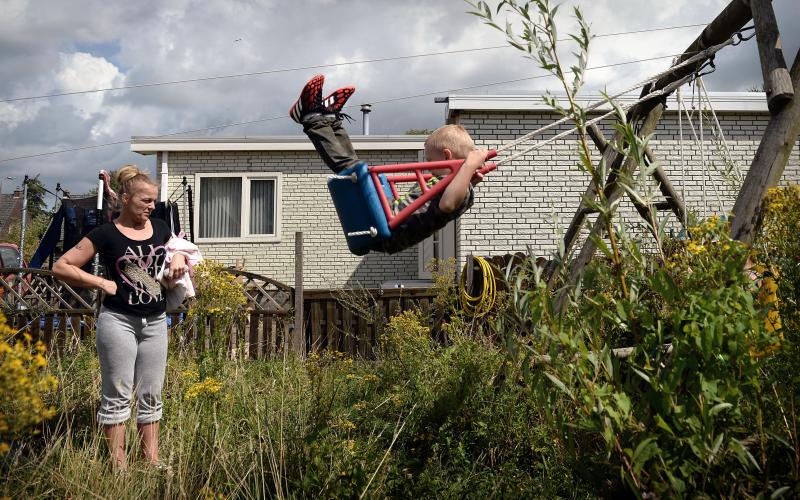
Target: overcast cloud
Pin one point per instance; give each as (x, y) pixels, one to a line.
(71, 45)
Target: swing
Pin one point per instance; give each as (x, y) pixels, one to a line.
(363, 196)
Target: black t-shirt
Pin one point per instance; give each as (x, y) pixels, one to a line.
(133, 266)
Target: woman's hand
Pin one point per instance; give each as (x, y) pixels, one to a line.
(109, 287)
(177, 266)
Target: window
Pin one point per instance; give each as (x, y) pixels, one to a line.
(238, 207)
(441, 245)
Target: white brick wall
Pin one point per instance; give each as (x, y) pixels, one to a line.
(307, 207)
(515, 205)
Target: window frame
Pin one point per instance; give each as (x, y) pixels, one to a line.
(246, 179)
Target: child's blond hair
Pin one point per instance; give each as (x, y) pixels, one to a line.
(453, 137)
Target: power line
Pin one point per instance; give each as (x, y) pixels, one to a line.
(319, 66)
(392, 99)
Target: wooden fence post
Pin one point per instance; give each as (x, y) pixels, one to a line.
(299, 333)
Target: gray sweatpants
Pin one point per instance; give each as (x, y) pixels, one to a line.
(133, 355)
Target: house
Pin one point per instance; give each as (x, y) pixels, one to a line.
(10, 211)
(251, 194)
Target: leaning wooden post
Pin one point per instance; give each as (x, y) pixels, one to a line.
(613, 192)
(768, 164)
(299, 336)
(777, 82)
(601, 143)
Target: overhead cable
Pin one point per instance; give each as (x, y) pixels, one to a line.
(315, 66)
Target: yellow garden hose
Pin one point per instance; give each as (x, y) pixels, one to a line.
(481, 304)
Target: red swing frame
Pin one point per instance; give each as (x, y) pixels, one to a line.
(414, 172)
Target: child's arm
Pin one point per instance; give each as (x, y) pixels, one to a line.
(457, 190)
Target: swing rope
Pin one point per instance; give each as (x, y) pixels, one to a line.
(701, 55)
(703, 157)
(701, 145)
(680, 152)
(728, 156)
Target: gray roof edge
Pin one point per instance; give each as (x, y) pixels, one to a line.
(721, 101)
(151, 145)
(270, 139)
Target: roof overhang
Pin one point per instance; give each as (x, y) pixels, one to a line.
(150, 145)
(742, 102)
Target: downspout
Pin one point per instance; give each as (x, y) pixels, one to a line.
(164, 157)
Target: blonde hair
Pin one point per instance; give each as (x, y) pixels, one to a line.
(453, 137)
(130, 175)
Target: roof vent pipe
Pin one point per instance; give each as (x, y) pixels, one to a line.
(365, 111)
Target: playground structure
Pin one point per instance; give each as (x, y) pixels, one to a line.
(766, 167)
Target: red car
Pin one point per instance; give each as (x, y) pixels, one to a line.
(9, 255)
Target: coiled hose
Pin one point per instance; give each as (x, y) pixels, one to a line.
(479, 305)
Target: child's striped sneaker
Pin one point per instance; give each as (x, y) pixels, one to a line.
(310, 99)
(335, 102)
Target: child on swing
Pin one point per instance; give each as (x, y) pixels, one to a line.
(322, 123)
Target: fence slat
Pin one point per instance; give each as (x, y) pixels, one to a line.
(75, 322)
(316, 326)
(269, 334)
(347, 331)
(252, 344)
(330, 325)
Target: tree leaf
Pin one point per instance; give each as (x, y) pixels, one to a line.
(646, 450)
(718, 408)
(558, 383)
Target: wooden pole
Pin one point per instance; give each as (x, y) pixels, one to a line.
(613, 192)
(610, 157)
(600, 141)
(299, 334)
(23, 222)
(767, 167)
(672, 197)
(729, 21)
(674, 200)
(777, 82)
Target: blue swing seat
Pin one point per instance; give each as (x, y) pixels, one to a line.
(359, 207)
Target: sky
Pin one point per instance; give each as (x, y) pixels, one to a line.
(57, 46)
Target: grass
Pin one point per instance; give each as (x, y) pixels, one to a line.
(422, 420)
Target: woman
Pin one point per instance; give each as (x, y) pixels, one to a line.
(131, 327)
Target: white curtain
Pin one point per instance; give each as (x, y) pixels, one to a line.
(262, 207)
(220, 207)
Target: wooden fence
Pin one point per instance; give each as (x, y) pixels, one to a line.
(350, 321)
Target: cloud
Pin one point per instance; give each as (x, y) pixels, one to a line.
(50, 46)
(80, 71)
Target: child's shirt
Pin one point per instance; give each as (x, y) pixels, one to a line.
(422, 223)
(411, 196)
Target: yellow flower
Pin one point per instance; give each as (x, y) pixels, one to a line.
(190, 375)
(695, 248)
(347, 425)
(209, 386)
(24, 383)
